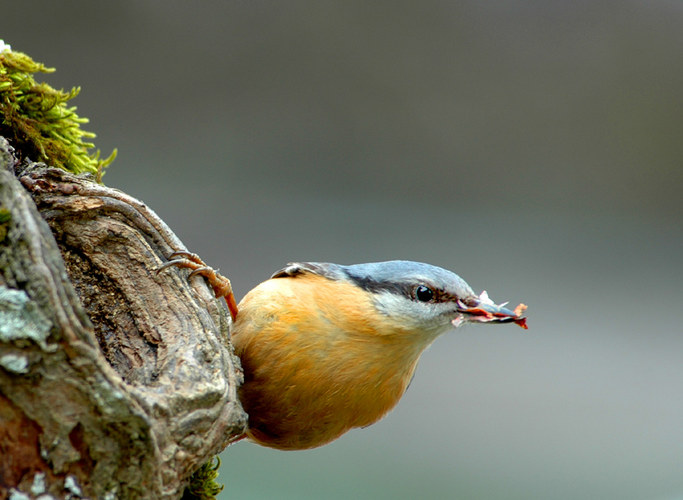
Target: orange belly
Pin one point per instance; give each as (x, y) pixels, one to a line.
(315, 366)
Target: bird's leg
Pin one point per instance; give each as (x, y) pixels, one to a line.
(220, 284)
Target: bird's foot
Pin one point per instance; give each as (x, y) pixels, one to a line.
(220, 284)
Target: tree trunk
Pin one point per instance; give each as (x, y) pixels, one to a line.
(115, 381)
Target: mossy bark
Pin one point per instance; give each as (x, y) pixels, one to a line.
(115, 381)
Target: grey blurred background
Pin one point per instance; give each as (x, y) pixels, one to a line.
(534, 147)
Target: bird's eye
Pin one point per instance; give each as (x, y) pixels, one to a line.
(424, 293)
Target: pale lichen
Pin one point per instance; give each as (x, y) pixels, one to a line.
(14, 363)
(21, 319)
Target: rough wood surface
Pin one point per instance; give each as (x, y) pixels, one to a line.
(115, 380)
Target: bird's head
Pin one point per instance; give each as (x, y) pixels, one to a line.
(414, 295)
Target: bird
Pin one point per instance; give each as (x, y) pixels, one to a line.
(326, 348)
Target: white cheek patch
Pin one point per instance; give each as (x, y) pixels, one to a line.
(419, 316)
(394, 305)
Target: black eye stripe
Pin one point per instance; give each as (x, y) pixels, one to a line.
(375, 286)
(407, 289)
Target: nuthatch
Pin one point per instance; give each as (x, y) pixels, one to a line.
(326, 348)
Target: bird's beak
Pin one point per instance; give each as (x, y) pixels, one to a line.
(482, 309)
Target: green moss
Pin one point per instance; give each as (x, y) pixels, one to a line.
(203, 485)
(37, 121)
(5, 219)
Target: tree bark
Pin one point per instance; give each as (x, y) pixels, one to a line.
(115, 381)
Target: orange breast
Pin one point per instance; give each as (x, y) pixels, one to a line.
(318, 360)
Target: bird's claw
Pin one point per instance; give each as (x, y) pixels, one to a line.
(220, 284)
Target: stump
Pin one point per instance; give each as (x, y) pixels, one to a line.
(115, 381)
